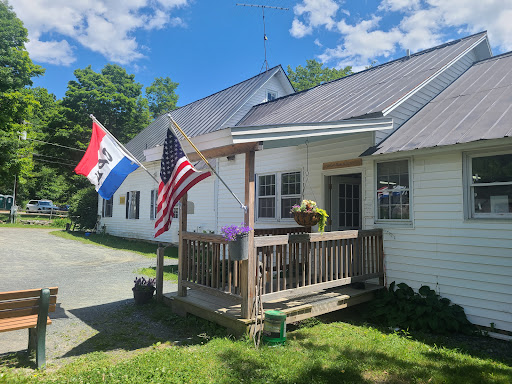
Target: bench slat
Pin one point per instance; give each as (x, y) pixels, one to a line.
(24, 303)
(23, 311)
(14, 295)
(13, 324)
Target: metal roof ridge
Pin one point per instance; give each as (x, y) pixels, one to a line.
(225, 89)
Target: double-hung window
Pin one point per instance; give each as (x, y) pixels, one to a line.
(108, 206)
(132, 204)
(490, 185)
(154, 205)
(393, 190)
(277, 193)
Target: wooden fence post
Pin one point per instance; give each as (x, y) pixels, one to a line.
(182, 252)
(160, 272)
(248, 267)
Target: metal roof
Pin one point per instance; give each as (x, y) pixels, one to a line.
(476, 106)
(202, 116)
(363, 94)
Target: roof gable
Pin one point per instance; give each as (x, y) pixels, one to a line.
(201, 116)
(364, 94)
(476, 106)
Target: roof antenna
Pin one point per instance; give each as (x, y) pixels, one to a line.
(265, 63)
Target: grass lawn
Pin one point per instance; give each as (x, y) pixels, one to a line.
(170, 272)
(138, 246)
(316, 352)
(56, 222)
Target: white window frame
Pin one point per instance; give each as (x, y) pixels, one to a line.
(469, 184)
(133, 214)
(104, 207)
(153, 198)
(410, 189)
(271, 91)
(277, 197)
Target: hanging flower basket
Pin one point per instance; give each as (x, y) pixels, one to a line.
(306, 219)
(239, 248)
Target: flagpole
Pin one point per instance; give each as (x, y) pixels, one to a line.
(206, 162)
(123, 147)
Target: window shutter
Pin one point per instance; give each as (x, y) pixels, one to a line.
(103, 208)
(127, 203)
(137, 201)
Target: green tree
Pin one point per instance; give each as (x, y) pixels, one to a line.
(162, 96)
(313, 74)
(16, 71)
(84, 205)
(112, 96)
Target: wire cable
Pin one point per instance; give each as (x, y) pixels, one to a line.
(57, 145)
(55, 162)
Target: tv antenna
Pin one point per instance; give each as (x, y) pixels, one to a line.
(265, 63)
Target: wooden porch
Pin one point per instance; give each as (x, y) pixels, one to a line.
(301, 273)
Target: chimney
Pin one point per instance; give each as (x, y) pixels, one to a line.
(408, 52)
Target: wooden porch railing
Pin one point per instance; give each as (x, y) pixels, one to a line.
(304, 261)
(292, 262)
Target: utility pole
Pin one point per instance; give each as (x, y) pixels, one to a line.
(265, 62)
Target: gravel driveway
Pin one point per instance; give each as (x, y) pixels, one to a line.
(93, 281)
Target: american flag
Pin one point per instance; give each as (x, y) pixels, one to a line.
(177, 176)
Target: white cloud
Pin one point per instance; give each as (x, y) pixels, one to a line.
(318, 43)
(315, 13)
(299, 29)
(103, 26)
(421, 24)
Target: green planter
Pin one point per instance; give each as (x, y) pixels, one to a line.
(239, 248)
(143, 297)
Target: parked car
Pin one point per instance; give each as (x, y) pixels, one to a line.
(41, 206)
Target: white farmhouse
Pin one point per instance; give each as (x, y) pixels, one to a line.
(419, 147)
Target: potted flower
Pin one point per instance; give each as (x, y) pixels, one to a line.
(238, 238)
(308, 214)
(143, 290)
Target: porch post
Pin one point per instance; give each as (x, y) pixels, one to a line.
(182, 251)
(248, 267)
(160, 272)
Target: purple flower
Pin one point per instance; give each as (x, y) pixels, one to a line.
(229, 232)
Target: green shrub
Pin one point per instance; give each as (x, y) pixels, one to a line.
(83, 208)
(419, 311)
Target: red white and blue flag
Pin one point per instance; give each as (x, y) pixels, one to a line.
(105, 164)
(177, 176)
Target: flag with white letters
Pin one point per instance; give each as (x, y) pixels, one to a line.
(105, 164)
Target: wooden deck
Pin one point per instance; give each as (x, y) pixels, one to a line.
(226, 311)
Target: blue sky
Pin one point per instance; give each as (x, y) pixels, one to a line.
(207, 45)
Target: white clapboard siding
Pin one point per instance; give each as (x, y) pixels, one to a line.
(203, 218)
(286, 159)
(415, 102)
(467, 261)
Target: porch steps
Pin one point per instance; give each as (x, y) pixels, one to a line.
(226, 311)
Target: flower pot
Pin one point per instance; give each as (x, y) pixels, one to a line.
(306, 219)
(142, 297)
(239, 248)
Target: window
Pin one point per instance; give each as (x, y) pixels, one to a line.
(271, 95)
(490, 186)
(290, 193)
(276, 200)
(393, 190)
(176, 212)
(132, 204)
(153, 204)
(108, 205)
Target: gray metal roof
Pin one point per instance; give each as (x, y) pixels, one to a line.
(477, 106)
(202, 116)
(363, 94)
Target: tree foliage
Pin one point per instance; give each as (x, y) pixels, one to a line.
(112, 96)
(84, 207)
(162, 96)
(16, 71)
(313, 74)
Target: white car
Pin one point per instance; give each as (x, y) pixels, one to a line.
(41, 206)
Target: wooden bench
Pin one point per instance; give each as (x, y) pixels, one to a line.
(29, 309)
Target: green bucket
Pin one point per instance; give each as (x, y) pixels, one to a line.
(274, 328)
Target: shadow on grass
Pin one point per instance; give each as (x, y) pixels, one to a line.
(139, 246)
(125, 326)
